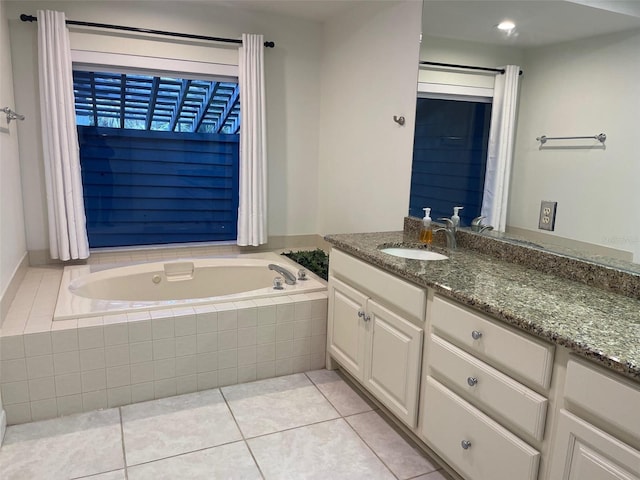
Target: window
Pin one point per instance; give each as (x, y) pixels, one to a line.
(449, 157)
(159, 158)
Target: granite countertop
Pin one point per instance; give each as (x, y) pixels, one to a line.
(597, 324)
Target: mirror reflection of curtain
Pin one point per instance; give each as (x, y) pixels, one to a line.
(501, 146)
(65, 204)
(252, 202)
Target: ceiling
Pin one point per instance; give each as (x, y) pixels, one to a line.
(317, 10)
(539, 22)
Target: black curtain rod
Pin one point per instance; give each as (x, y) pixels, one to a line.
(467, 67)
(30, 18)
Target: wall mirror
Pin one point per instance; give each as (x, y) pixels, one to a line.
(580, 62)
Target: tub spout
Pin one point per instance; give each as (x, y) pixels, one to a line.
(289, 278)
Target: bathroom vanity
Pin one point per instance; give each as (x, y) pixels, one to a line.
(503, 371)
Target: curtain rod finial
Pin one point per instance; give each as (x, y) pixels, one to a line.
(269, 44)
(28, 18)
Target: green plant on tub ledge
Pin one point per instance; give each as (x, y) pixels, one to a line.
(316, 261)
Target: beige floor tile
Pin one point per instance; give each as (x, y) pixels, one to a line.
(327, 450)
(277, 404)
(63, 448)
(231, 461)
(115, 475)
(439, 475)
(342, 396)
(404, 460)
(175, 425)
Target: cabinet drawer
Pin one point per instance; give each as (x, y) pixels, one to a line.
(522, 356)
(610, 399)
(402, 296)
(492, 391)
(493, 453)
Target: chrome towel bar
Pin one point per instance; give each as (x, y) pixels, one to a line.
(600, 137)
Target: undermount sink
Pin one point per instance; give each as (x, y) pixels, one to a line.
(413, 253)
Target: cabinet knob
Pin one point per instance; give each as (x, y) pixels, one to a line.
(367, 318)
(472, 381)
(476, 335)
(364, 316)
(360, 313)
(465, 444)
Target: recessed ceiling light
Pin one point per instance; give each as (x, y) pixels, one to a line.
(506, 26)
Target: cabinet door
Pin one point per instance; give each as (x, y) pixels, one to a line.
(346, 328)
(583, 452)
(394, 353)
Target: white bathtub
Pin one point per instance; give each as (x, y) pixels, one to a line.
(95, 290)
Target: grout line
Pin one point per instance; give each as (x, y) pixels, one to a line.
(185, 453)
(295, 428)
(369, 446)
(344, 419)
(244, 439)
(124, 452)
(93, 475)
(442, 472)
(373, 409)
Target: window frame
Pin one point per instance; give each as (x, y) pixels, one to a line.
(96, 61)
(443, 91)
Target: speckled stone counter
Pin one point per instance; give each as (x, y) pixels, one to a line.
(594, 323)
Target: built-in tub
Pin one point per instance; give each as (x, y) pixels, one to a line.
(116, 351)
(95, 290)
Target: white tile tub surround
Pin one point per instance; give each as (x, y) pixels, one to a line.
(99, 362)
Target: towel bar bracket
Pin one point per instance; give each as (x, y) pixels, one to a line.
(11, 115)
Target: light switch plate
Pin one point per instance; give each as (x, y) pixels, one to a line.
(547, 220)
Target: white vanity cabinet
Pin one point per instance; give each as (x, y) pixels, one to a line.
(375, 332)
(479, 410)
(598, 446)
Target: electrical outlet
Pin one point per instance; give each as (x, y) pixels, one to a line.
(547, 220)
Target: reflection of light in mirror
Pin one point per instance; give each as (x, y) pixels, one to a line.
(506, 26)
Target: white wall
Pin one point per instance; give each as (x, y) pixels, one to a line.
(292, 77)
(581, 88)
(12, 231)
(369, 73)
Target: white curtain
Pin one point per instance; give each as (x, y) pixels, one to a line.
(252, 208)
(67, 225)
(501, 145)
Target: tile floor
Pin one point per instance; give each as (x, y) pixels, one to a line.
(302, 426)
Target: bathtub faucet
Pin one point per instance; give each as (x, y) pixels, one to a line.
(289, 278)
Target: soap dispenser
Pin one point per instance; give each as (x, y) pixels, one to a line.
(455, 218)
(426, 233)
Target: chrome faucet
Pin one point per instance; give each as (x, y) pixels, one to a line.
(449, 232)
(289, 278)
(478, 226)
